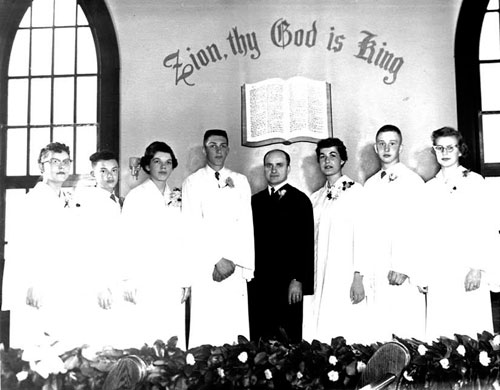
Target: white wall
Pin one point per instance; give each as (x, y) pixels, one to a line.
(153, 107)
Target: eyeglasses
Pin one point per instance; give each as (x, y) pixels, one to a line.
(441, 148)
(56, 162)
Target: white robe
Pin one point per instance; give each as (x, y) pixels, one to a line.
(97, 218)
(462, 236)
(155, 265)
(43, 254)
(220, 219)
(389, 240)
(329, 312)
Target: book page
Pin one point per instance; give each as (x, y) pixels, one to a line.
(308, 108)
(265, 110)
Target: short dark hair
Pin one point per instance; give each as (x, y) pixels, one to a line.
(451, 132)
(211, 132)
(102, 155)
(388, 128)
(56, 147)
(287, 156)
(152, 149)
(329, 143)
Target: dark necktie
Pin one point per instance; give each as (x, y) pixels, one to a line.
(217, 175)
(382, 174)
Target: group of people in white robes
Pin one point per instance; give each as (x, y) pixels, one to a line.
(393, 257)
(422, 258)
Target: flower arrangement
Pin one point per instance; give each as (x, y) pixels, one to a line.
(331, 195)
(175, 199)
(446, 363)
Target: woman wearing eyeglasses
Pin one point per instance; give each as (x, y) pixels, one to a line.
(38, 275)
(462, 244)
(156, 286)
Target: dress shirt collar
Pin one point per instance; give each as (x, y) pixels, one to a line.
(277, 188)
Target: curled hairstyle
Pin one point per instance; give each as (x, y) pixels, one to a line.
(329, 143)
(152, 149)
(287, 156)
(55, 147)
(211, 132)
(451, 132)
(387, 128)
(103, 155)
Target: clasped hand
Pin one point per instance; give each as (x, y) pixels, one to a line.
(223, 270)
(357, 292)
(34, 298)
(396, 278)
(472, 280)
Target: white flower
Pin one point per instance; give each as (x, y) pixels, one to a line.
(332, 360)
(268, 374)
(422, 349)
(22, 375)
(445, 363)
(299, 375)
(461, 350)
(190, 360)
(333, 376)
(495, 342)
(90, 353)
(484, 359)
(408, 377)
(220, 371)
(243, 357)
(50, 364)
(360, 366)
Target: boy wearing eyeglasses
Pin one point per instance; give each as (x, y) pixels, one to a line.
(387, 244)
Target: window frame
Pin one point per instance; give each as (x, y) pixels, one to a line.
(468, 84)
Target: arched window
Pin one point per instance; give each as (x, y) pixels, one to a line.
(477, 61)
(59, 75)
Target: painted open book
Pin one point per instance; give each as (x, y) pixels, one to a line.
(285, 111)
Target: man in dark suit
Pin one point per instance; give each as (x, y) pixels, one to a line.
(284, 254)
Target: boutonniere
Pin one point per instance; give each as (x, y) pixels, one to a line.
(68, 199)
(466, 172)
(175, 199)
(282, 193)
(392, 177)
(229, 183)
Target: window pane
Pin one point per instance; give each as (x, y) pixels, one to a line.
(41, 52)
(65, 136)
(86, 144)
(87, 60)
(490, 86)
(63, 100)
(40, 101)
(18, 103)
(493, 4)
(25, 23)
(42, 13)
(39, 138)
(86, 100)
(491, 138)
(489, 44)
(64, 51)
(65, 13)
(19, 56)
(17, 152)
(81, 18)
